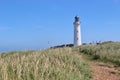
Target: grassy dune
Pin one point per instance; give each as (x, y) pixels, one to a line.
(107, 52)
(51, 64)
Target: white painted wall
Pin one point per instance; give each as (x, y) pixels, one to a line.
(77, 34)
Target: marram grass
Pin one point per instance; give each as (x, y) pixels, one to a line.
(109, 52)
(51, 64)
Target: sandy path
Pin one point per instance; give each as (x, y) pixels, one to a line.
(101, 71)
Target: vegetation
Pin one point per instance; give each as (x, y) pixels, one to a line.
(56, 63)
(51, 64)
(107, 52)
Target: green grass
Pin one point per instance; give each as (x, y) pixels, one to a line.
(108, 52)
(51, 64)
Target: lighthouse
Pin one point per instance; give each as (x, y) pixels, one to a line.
(77, 32)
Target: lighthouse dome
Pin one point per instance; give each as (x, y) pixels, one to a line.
(76, 18)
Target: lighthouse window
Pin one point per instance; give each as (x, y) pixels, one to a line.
(77, 38)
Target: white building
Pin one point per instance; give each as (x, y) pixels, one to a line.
(77, 32)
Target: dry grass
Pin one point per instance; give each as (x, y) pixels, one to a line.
(51, 64)
(108, 52)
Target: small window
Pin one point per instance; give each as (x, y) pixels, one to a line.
(77, 38)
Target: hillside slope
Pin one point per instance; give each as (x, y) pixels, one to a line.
(51, 64)
(104, 60)
(87, 62)
(106, 52)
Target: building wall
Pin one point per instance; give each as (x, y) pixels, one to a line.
(77, 34)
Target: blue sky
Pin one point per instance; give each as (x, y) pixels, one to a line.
(32, 24)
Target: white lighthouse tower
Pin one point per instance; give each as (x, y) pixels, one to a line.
(77, 32)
